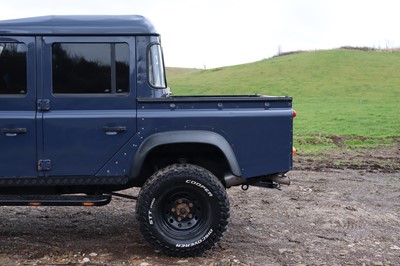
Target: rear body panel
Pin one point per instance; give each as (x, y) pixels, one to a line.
(258, 128)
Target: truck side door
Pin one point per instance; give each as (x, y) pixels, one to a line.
(17, 107)
(89, 102)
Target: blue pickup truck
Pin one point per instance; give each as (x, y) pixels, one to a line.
(85, 112)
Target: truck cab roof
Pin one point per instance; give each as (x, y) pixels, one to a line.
(79, 25)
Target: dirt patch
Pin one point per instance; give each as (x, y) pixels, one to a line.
(334, 216)
(385, 160)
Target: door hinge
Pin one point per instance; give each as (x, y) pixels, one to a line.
(43, 104)
(44, 165)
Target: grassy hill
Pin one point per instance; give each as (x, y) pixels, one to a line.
(173, 72)
(343, 98)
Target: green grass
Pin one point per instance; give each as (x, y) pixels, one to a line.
(173, 72)
(335, 93)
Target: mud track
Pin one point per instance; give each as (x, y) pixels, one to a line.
(330, 215)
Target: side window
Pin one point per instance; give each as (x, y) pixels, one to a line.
(13, 68)
(90, 68)
(156, 67)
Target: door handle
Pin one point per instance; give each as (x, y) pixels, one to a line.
(12, 132)
(114, 130)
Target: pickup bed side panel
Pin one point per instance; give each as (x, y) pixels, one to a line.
(258, 131)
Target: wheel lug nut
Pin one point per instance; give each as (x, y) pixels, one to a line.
(173, 210)
(191, 205)
(179, 219)
(190, 216)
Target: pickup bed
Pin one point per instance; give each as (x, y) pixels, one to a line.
(85, 112)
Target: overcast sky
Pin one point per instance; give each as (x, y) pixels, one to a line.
(214, 33)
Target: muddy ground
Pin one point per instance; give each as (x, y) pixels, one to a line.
(342, 209)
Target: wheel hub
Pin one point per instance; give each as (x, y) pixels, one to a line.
(182, 214)
(182, 209)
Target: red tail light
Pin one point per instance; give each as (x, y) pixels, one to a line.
(294, 113)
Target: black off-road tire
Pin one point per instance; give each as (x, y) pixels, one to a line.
(183, 210)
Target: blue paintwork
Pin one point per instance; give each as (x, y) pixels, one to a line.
(71, 133)
(18, 153)
(74, 124)
(260, 138)
(76, 142)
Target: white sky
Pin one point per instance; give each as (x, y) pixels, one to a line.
(214, 33)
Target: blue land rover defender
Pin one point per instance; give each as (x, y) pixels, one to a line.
(85, 112)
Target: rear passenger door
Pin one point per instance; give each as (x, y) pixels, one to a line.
(17, 107)
(89, 107)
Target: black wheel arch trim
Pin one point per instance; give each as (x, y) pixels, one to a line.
(184, 136)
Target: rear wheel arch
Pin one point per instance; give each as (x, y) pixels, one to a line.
(189, 143)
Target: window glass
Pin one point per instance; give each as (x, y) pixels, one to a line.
(156, 67)
(90, 68)
(122, 67)
(13, 68)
